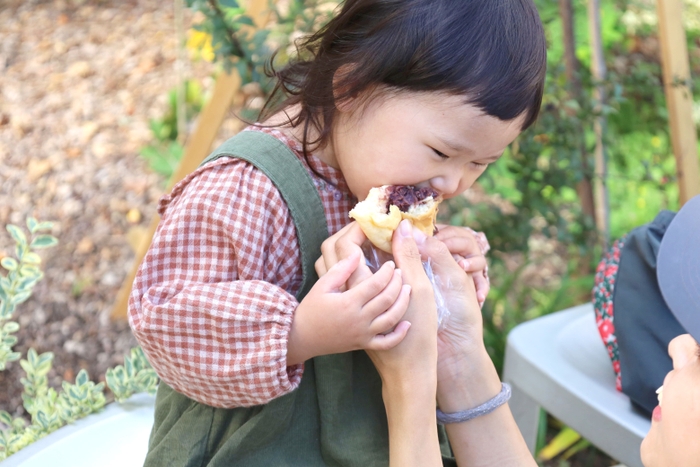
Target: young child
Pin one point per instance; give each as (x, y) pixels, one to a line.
(390, 92)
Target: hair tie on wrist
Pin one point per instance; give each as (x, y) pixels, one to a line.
(483, 409)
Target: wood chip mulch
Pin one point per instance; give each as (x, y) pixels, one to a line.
(79, 81)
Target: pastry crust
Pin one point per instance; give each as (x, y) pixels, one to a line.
(379, 225)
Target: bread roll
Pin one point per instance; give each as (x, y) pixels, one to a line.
(386, 206)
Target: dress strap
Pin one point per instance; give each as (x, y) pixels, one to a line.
(285, 170)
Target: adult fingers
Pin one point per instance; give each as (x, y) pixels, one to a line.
(406, 253)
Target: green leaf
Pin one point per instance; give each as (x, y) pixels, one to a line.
(44, 241)
(17, 234)
(13, 357)
(10, 327)
(21, 297)
(32, 224)
(228, 3)
(30, 270)
(10, 264)
(44, 226)
(82, 377)
(247, 20)
(31, 258)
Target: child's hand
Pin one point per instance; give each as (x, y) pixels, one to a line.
(346, 242)
(468, 249)
(367, 316)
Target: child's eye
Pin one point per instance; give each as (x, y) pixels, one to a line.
(479, 164)
(440, 153)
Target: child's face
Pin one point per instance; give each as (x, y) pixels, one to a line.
(674, 437)
(400, 139)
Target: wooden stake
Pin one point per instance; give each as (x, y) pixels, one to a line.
(679, 99)
(198, 146)
(584, 188)
(599, 70)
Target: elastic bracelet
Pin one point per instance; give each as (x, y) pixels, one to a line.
(483, 409)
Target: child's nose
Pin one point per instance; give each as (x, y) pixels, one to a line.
(447, 184)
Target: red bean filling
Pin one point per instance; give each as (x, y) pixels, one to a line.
(404, 196)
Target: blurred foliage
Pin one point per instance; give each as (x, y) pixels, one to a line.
(164, 153)
(49, 408)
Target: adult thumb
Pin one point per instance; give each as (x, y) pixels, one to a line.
(405, 250)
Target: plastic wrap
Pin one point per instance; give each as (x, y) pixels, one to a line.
(375, 257)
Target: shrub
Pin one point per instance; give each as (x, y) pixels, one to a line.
(51, 409)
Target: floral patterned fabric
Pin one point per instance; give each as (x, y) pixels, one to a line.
(602, 297)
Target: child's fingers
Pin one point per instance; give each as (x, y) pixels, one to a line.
(320, 266)
(372, 286)
(336, 276)
(462, 245)
(472, 265)
(387, 320)
(328, 251)
(482, 286)
(389, 340)
(384, 299)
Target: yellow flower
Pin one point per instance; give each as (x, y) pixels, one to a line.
(656, 142)
(199, 43)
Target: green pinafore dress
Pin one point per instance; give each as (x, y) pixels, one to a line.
(336, 417)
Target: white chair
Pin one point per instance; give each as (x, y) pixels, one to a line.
(559, 363)
(115, 437)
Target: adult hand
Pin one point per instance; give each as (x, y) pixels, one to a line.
(416, 354)
(469, 249)
(409, 370)
(466, 376)
(462, 334)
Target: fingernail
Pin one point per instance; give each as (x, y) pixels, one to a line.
(405, 228)
(465, 264)
(419, 236)
(398, 271)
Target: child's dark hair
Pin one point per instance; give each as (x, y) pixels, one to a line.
(491, 51)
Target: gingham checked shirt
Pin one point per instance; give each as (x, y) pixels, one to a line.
(213, 300)
(214, 297)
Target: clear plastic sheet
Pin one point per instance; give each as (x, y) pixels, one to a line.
(374, 257)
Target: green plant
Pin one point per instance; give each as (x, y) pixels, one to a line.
(164, 154)
(23, 274)
(48, 408)
(135, 376)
